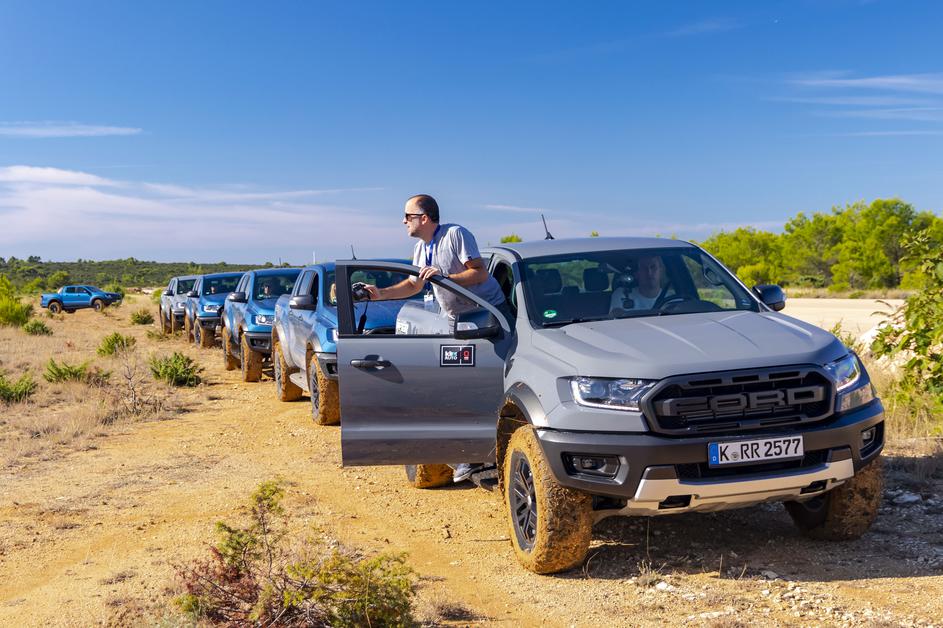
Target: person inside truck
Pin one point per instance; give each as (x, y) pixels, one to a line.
(447, 250)
(639, 289)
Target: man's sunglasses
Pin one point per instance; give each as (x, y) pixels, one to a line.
(408, 216)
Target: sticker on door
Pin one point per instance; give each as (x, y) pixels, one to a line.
(457, 355)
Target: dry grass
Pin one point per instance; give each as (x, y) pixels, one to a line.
(914, 427)
(798, 292)
(70, 415)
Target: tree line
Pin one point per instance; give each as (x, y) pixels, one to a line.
(33, 274)
(858, 246)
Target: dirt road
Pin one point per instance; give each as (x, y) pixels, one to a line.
(854, 315)
(91, 536)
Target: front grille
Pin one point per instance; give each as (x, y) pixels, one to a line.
(701, 471)
(708, 403)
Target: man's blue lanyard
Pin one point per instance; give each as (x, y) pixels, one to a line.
(430, 248)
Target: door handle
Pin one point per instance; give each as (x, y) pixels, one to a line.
(370, 364)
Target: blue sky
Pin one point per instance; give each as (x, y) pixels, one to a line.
(262, 131)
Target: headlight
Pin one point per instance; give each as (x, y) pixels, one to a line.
(844, 371)
(332, 334)
(179, 306)
(614, 394)
(264, 319)
(211, 308)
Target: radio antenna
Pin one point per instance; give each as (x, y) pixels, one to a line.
(352, 254)
(546, 231)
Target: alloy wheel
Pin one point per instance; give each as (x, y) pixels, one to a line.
(523, 501)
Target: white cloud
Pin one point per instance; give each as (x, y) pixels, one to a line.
(931, 83)
(63, 214)
(50, 176)
(714, 25)
(920, 114)
(62, 129)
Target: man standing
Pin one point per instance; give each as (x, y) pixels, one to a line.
(445, 250)
(449, 251)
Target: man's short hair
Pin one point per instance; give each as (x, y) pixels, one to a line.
(427, 205)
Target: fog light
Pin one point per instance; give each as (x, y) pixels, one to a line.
(868, 435)
(588, 464)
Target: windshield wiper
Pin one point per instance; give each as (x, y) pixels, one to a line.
(587, 319)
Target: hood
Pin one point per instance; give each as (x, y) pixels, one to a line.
(379, 314)
(660, 346)
(214, 298)
(264, 306)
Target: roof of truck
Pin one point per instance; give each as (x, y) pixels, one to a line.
(542, 248)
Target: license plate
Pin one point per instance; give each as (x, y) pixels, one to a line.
(760, 450)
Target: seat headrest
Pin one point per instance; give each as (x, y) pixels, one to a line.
(550, 280)
(595, 280)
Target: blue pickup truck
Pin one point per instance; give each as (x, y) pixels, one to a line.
(204, 302)
(247, 318)
(304, 336)
(71, 298)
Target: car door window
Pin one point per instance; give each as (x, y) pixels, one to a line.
(419, 315)
(504, 275)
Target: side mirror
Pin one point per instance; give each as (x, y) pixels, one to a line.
(303, 302)
(772, 295)
(193, 293)
(477, 323)
(237, 297)
(168, 293)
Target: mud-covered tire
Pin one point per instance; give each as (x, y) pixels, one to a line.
(551, 525)
(164, 322)
(55, 307)
(251, 361)
(428, 475)
(98, 305)
(173, 324)
(205, 338)
(325, 398)
(187, 328)
(844, 513)
(285, 389)
(230, 363)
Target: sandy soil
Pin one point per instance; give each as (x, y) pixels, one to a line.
(854, 315)
(91, 536)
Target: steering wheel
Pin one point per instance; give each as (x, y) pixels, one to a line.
(664, 300)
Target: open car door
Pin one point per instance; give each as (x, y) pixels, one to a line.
(426, 393)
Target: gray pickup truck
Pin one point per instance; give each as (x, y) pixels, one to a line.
(173, 303)
(636, 377)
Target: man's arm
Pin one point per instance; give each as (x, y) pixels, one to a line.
(403, 290)
(474, 273)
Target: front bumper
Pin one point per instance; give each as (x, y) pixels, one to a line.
(259, 341)
(328, 364)
(208, 322)
(663, 475)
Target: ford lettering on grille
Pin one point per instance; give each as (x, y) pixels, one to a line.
(708, 406)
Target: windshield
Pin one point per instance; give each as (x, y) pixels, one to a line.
(607, 285)
(185, 285)
(220, 285)
(271, 286)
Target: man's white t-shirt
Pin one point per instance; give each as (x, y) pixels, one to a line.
(639, 301)
(451, 247)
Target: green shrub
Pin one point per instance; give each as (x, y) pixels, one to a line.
(36, 327)
(916, 328)
(155, 296)
(13, 312)
(176, 369)
(153, 334)
(252, 577)
(115, 343)
(14, 392)
(63, 372)
(142, 317)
